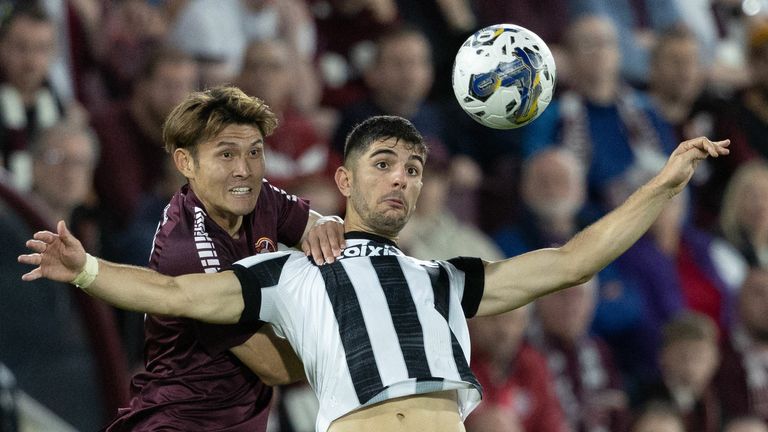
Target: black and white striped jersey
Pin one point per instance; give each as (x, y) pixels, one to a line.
(374, 325)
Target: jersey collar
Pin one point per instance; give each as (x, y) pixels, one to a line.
(361, 235)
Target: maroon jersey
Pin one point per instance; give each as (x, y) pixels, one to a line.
(191, 381)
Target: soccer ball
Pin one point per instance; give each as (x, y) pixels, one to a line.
(504, 76)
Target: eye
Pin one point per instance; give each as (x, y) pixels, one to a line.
(413, 171)
(226, 154)
(255, 152)
(382, 165)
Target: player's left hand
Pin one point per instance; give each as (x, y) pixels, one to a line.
(684, 160)
(325, 240)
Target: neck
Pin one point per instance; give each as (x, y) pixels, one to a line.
(352, 222)
(230, 223)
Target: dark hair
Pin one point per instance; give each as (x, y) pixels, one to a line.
(203, 115)
(10, 12)
(381, 128)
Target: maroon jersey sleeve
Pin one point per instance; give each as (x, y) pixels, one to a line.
(292, 213)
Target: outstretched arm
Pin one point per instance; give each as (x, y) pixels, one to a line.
(215, 298)
(519, 280)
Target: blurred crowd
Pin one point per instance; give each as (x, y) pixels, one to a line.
(673, 336)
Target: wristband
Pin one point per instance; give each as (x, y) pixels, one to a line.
(86, 277)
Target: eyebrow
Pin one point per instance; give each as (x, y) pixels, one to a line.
(234, 144)
(392, 152)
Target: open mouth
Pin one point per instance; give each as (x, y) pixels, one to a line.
(240, 191)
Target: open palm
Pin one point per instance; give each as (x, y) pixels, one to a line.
(58, 256)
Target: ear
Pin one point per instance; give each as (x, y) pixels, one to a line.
(343, 179)
(184, 162)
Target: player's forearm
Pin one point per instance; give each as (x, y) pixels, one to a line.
(135, 288)
(211, 298)
(604, 241)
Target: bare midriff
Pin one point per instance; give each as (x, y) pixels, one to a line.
(431, 412)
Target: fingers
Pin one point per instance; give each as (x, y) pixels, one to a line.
(66, 237)
(33, 275)
(709, 148)
(36, 245)
(32, 259)
(45, 236)
(325, 242)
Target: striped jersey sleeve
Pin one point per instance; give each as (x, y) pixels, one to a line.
(257, 274)
(474, 283)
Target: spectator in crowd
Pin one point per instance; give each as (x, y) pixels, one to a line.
(553, 193)
(610, 126)
(676, 81)
(689, 358)
(44, 336)
(744, 214)
(28, 103)
(296, 151)
(446, 24)
(639, 23)
(743, 376)
(217, 33)
(750, 118)
(587, 383)
(514, 375)
(130, 32)
(745, 424)
(691, 270)
(64, 154)
(720, 30)
(346, 35)
(433, 232)
(658, 416)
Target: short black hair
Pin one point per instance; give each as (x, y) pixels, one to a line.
(379, 128)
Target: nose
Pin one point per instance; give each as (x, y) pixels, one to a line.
(242, 169)
(399, 176)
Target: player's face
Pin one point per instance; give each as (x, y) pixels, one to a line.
(385, 184)
(227, 173)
